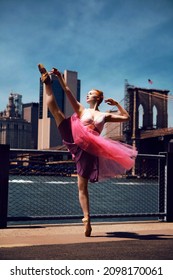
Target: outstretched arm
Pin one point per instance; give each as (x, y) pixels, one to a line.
(122, 115)
(77, 106)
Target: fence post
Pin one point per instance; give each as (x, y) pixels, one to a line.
(170, 182)
(162, 181)
(4, 175)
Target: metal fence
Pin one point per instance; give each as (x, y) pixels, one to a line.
(42, 188)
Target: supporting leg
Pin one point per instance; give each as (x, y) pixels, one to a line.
(84, 202)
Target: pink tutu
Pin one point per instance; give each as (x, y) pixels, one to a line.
(114, 157)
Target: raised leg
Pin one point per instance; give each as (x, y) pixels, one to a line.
(50, 99)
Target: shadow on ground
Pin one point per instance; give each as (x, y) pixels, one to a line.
(149, 247)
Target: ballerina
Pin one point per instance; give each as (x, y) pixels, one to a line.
(96, 158)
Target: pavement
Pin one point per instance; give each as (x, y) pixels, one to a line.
(109, 241)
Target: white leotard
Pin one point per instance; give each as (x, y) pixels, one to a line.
(96, 124)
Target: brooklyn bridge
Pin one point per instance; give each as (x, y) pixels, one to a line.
(149, 128)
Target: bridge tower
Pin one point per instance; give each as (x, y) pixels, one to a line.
(148, 109)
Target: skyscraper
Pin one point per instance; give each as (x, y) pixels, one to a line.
(48, 134)
(30, 114)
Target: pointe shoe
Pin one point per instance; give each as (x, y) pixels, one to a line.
(88, 227)
(44, 74)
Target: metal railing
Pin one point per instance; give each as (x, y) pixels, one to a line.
(41, 186)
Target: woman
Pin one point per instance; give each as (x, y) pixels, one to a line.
(95, 157)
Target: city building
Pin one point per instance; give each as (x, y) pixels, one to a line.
(17, 102)
(30, 114)
(14, 131)
(48, 134)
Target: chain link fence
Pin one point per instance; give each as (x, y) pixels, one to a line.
(43, 189)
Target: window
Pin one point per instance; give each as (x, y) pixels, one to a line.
(154, 117)
(141, 116)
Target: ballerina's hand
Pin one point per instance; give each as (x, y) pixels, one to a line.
(111, 102)
(55, 72)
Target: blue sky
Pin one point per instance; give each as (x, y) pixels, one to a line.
(105, 41)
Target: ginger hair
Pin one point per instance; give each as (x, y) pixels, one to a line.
(99, 93)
